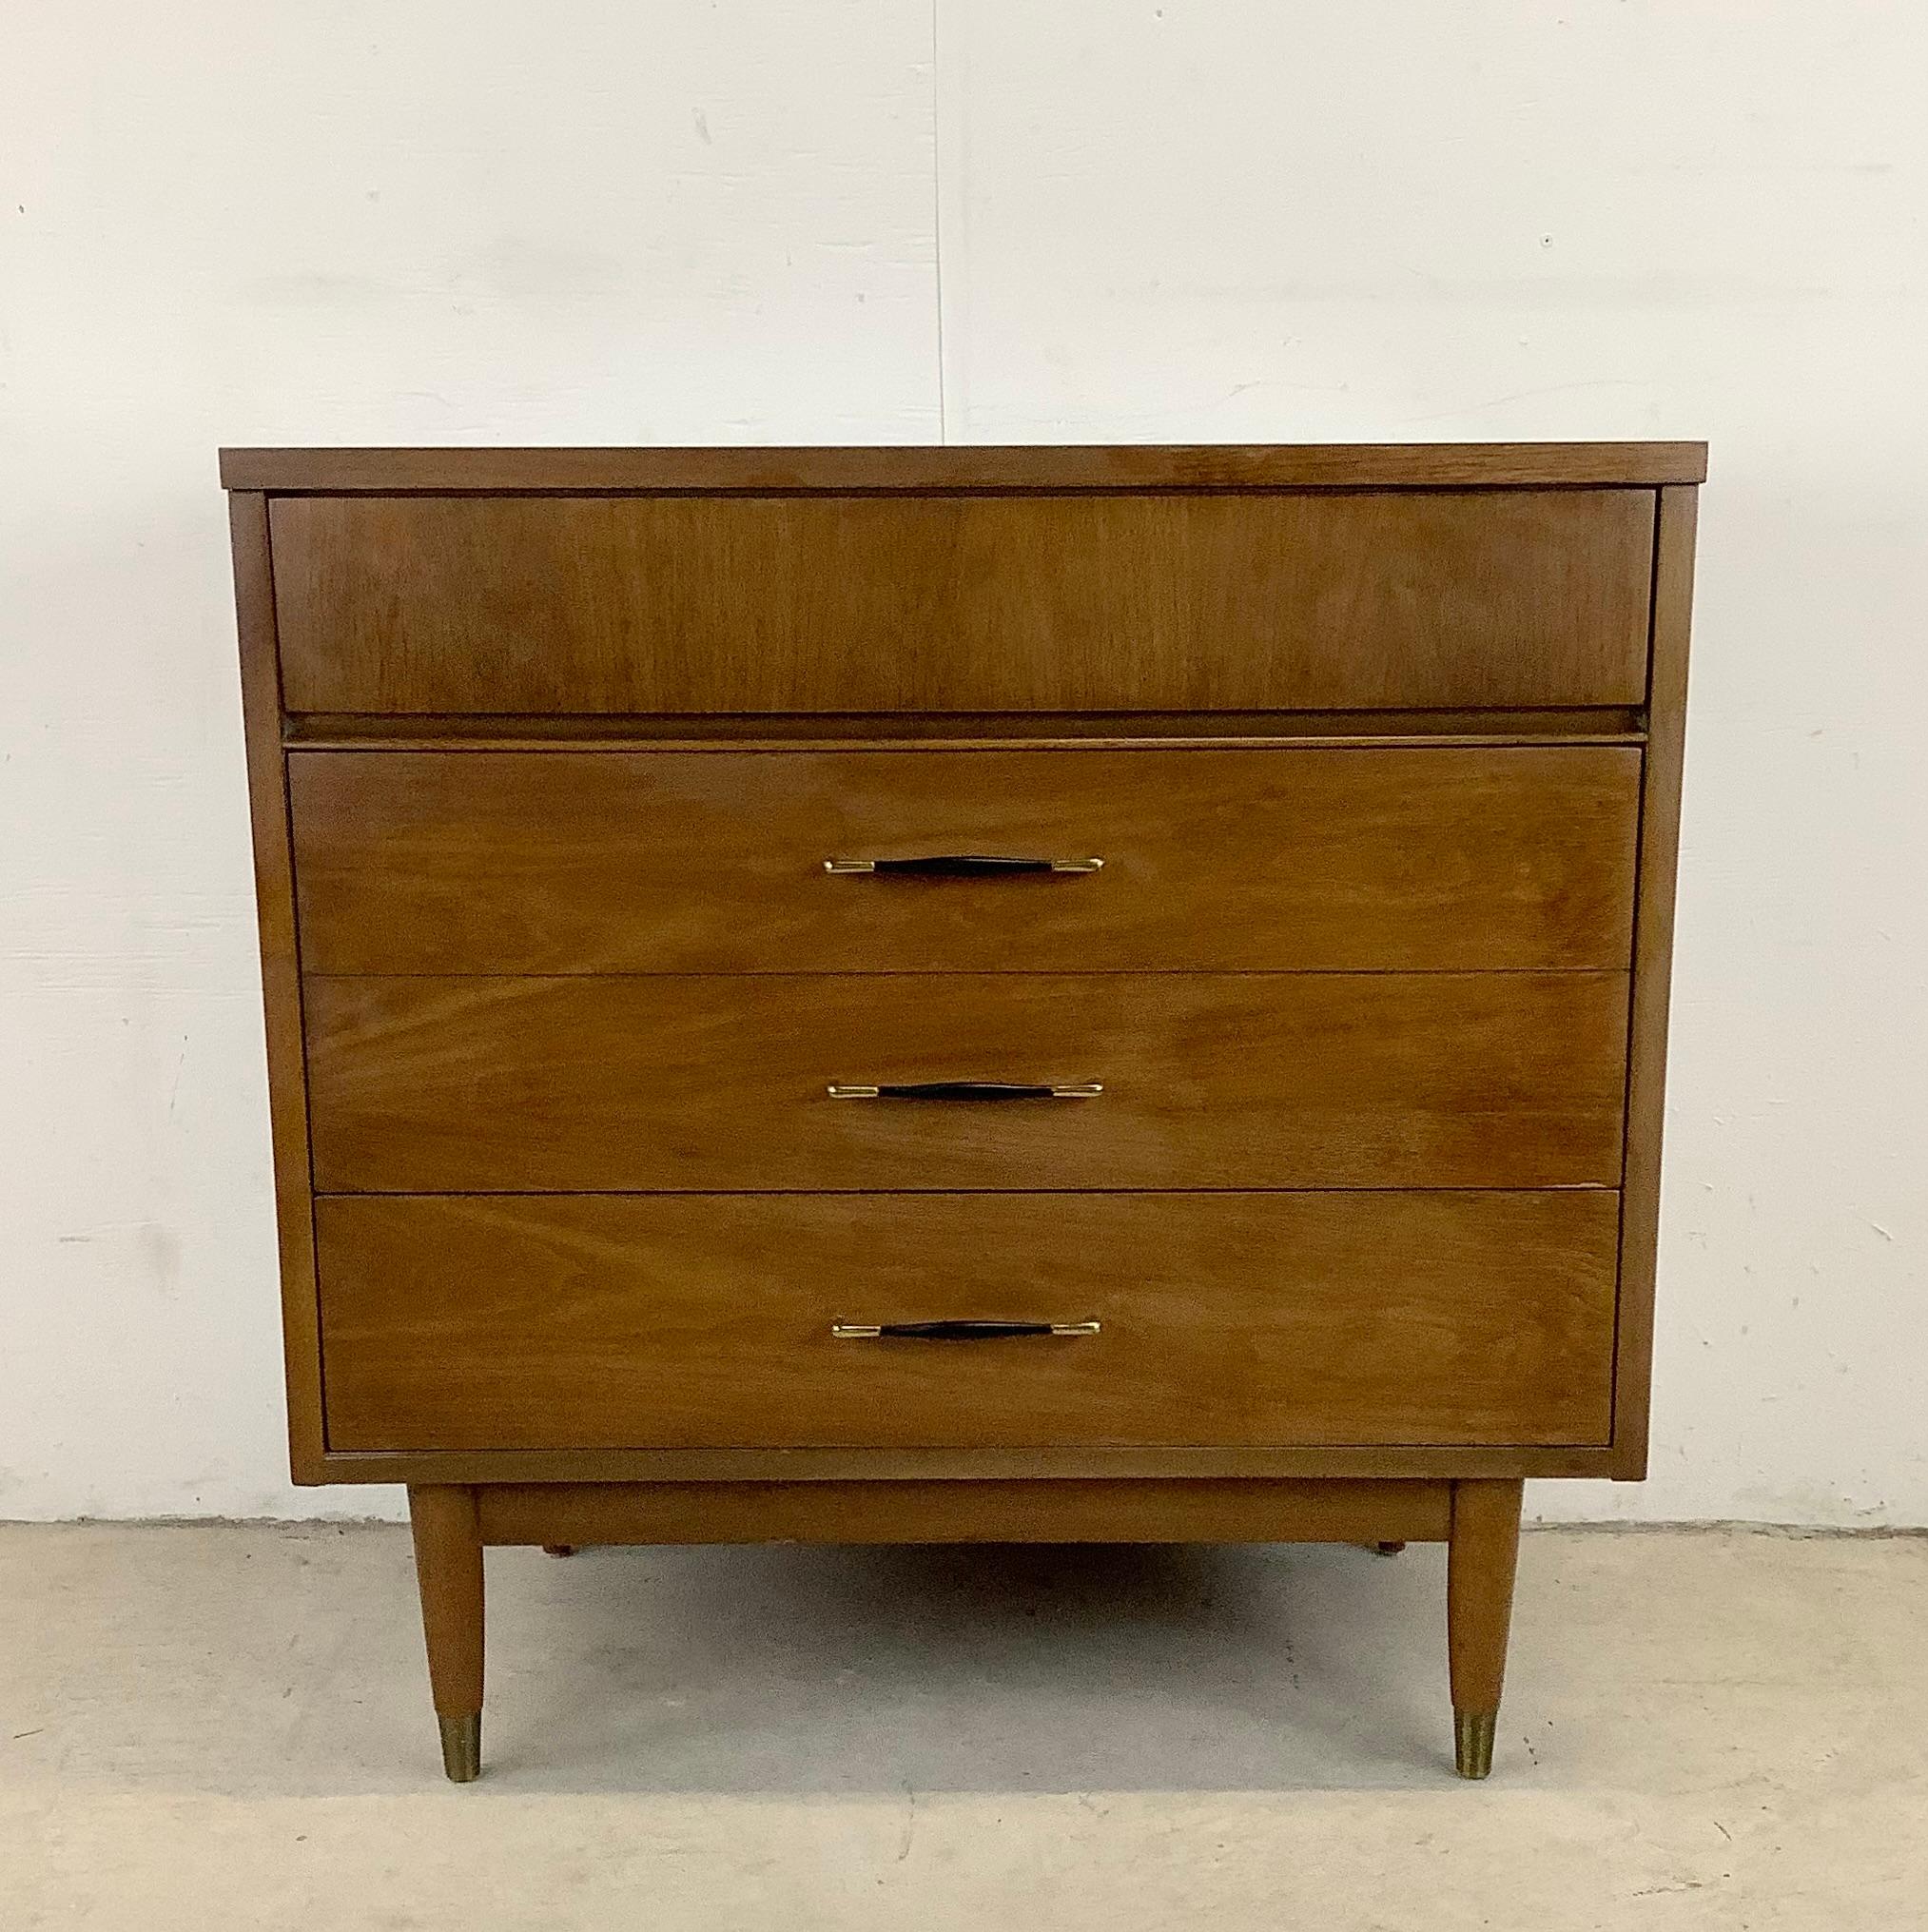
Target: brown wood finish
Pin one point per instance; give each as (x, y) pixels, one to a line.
(1482, 1554)
(703, 1320)
(1648, 1040)
(1222, 1080)
(864, 603)
(448, 1565)
(1426, 1461)
(281, 978)
(980, 466)
(1098, 1512)
(606, 861)
(965, 731)
(1361, 729)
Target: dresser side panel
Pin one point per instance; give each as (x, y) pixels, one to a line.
(280, 979)
(1652, 975)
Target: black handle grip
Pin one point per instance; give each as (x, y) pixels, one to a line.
(959, 1331)
(955, 1331)
(960, 865)
(965, 1090)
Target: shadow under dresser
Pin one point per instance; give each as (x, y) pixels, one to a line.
(870, 995)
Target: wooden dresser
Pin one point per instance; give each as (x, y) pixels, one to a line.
(925, 994)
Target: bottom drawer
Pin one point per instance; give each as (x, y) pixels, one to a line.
(638, 1322)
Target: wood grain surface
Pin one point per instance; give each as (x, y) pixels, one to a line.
(1284, 1080)
(962, 730)
(1652, 985)
(1403, 1461)
(1038, 1510)
(277, 922)
(704, 1320)
(592, 862)
(448, 1569)
(864, 603)
(1482, 1556)
(977, 466)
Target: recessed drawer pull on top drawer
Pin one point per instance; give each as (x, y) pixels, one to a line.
(960, 866)
(955, 1331)
(965, 1090)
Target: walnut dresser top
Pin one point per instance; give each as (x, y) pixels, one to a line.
(1093, 993)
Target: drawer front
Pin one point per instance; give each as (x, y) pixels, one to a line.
(1232, 1081)
(1431, 858)
(614, 1322)
(863, 603)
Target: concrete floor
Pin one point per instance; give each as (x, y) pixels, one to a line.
(228, 1726)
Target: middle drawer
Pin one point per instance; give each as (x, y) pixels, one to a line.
(1430, 857)
(663, 1082)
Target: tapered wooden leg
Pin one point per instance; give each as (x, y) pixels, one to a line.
(448, 1572)
(1481, 1558)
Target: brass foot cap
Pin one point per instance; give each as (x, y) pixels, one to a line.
(462, 1747)
(1473, 1742)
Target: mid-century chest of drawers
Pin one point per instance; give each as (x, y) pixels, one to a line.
(930, 994)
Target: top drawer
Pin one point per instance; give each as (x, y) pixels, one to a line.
(688, 604)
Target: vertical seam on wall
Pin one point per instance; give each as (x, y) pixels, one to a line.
(937, 226)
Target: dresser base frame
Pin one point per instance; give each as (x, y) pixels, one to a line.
(1479, 1520)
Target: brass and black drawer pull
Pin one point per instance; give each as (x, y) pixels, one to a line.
(960, 866)
(963, 1090)
(955, 1331)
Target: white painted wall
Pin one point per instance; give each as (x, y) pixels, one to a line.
(421, 221)
(370, 221)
